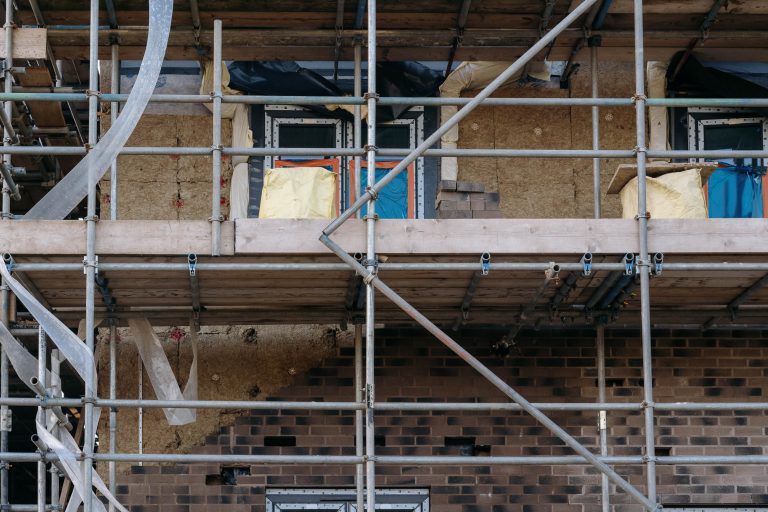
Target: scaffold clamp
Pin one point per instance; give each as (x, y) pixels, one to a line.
(629, 264)
(8, 261)
(586, 264)
(192, 264)
(658, 264)
(485, 263)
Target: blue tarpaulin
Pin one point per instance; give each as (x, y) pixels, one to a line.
(392, 202)
(736, 192)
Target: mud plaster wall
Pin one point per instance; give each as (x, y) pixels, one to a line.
(551, 188)
(167, 187)
(234, 363)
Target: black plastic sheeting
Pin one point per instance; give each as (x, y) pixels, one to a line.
(697, 79)
(286, 78)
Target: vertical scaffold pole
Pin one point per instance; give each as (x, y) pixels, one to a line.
(602, 420)
(55, 391)
(359, 436)
(370, 306)
(114, 110)
(89, 434)
(595, 132)
(358, 122)
(112, 410)
(42, 349)
(216, 149)
(5, 295)
(643, 265)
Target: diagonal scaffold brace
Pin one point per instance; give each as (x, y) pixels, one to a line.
(370, 276)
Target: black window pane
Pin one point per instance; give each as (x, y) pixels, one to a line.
(307, 136)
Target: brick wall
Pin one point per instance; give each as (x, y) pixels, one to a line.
(550, 366)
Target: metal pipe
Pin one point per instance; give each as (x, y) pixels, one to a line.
(370, 292)
(115, 108)
(13, 188)
(602, 420)
(194, 11)
(55, 392)
(358, 126)
(42, 350)
(5, 120)
(112, 410)
(392, 460)
(140, 411)
(89, 434)
(517, 66)
(216, 217)
(388, 267)
(359, 432)
(596, 174)
(643, 263)
(70, 94)
(478, 153)
(5, 296)
(489, 374)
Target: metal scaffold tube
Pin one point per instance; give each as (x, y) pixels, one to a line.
(370, 292)
(602, 420)
(643, 263)
(216, 217)
(5, 296)
(89, 434)
(593, 61)
(112, 410)
(359, 432)
(42, 414)
(114, 110)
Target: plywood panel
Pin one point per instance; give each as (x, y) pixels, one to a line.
(28, 43)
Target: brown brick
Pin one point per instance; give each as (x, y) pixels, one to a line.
(469, 186)
(477, 204)
(448, 185)
(452, 196)
(453, 205)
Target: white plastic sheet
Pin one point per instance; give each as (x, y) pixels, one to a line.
(70, 346)
(74, 187)
(677, 195)
(160, 373)
(239, 193)
(466, 77)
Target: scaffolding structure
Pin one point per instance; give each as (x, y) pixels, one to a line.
(367, 266)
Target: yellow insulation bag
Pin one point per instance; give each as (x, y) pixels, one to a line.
(298, 193)
(676, 195)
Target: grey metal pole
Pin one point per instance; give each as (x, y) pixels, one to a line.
(643, 264)
(114, 110)
(358, 128)
(596, 182)
(488, 374)
(55, 392)
(112, 410)
(602, 421)
(216, 217)
(140, 411)
(370, 292)
(517, 66)
(89, 434)
(359, 433)
(42, 349)
(5, 295)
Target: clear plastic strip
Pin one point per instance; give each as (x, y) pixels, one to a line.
(74, 187)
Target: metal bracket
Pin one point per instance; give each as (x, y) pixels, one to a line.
(658, 264)
(369, 396)
(629, 264)
(602, 420)
(586, 264)
(371, 147)
(94, 264)
(6, 421)
(371, 96)
(9, 262)
(192, 264)
(553, 272)
(485, 263)
(373, 193)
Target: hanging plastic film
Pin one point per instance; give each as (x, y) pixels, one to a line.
(160, 373)
(74, 187)
(64, 446)
(70, 346)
